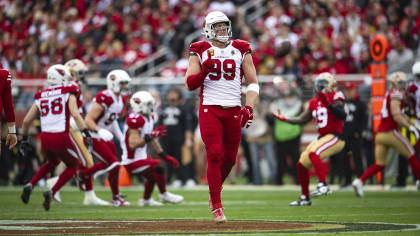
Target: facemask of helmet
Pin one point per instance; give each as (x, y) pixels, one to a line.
(398, 80)
(77, 69)
(212, 32)
(325, 82)
(320, 85)
(118, 81)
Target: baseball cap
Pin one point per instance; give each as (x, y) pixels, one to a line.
(348, 85)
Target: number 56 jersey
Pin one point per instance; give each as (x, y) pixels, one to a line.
(326, 121)
(53, 106)
(222, 87)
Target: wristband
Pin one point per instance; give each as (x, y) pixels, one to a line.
(253, 87)
(147, 138)
(162, 154)
(86, 132)
(12, 129)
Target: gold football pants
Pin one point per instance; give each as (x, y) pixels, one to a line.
(391, 139)
(324, 147)
(85, 156)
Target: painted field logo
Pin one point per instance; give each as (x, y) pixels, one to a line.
(102, 227)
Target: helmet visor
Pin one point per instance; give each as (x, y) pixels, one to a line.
(221, 30)
(320, 84)
(402, 85)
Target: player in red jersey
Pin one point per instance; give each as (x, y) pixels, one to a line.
(78, 70)
(55, 105)
(6, 103)
(328, 111)
(217, 67)
(138, 135)
(388, 135)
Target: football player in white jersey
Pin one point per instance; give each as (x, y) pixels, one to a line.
(78, 70)
(55, 105)
(414, 91)
(216, 67)
(102, 121)
(138, 134)
(414, 97)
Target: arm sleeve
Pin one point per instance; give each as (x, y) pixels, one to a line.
(8, 107)
(338, 111)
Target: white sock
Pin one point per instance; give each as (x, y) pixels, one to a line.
(89, 193)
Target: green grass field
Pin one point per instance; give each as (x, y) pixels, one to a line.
(264, 203)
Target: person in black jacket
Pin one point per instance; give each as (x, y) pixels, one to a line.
(178, 120)
(353, 126)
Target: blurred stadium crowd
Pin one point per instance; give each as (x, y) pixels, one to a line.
(326, 36)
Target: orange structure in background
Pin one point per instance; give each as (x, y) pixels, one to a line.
(124, 178)
(378, 69)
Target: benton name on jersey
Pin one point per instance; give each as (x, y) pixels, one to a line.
(53, 106)
(222, 87)
(326, 121)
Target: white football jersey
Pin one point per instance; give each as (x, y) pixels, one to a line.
(52, 104)
(414, 94)
(145, 126)
(113, 106)
(224, 86)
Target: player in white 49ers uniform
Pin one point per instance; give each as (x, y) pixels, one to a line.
(328, 111)
(102, 120)
(217, 67)
(54, 105)
(138, 134)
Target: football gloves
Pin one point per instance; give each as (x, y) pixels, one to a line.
(159, 131)
(25, 146)
(105, 135)
(171, 160)
(208, 65)
(245, 116)
(279, 115)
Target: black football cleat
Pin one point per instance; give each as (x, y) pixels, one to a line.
(47, 199)
(26, 193)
